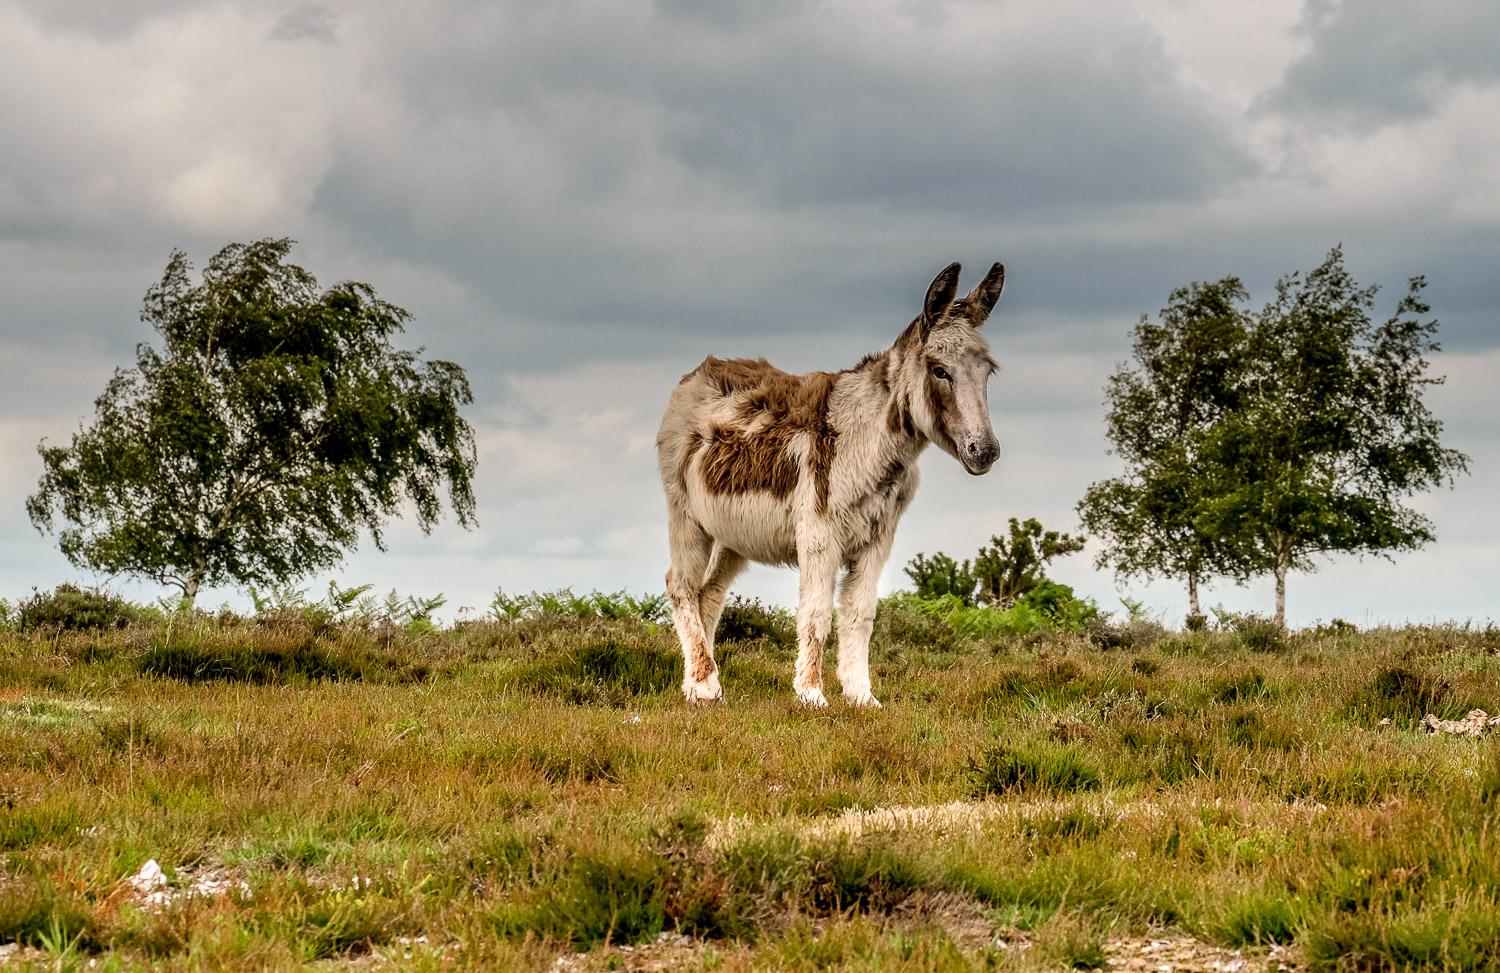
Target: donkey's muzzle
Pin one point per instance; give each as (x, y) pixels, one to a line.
(979, 455)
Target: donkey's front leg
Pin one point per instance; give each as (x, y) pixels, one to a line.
(857, 600)
(818, 564)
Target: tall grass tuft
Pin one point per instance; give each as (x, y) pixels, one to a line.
(1000, 771)
(1402, 693)
(609, 671)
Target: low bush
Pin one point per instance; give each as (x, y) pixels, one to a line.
(1071, 942)
(748, 620)
(1060, 604)
(870, 876)
(1131, 634)
(901, 621)
(976, 622)
(1462, 935)
(1259, 634)
(69, 608)
(43, 915)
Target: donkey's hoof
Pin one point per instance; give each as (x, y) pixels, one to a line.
(705, 691)
(812, 697)
(864, 700)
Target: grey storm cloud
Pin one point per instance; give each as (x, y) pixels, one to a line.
(685, 164)
(1371, 64)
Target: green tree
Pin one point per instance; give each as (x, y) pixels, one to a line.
(940, 575)
(274, 422)
(1330, 435)
(1187, 376)
(1013, 565)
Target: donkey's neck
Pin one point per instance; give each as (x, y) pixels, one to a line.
(883, 424)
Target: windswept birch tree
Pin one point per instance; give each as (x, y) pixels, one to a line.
(271, 425)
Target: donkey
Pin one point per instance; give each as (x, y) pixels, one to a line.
(814, 471)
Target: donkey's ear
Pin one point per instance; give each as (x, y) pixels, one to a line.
(940, 296)
(981, 300)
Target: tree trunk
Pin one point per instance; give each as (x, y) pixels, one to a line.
(190, 589)
(1282, 563)
(1193, 608)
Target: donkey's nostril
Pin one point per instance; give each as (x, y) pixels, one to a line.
(973, 449)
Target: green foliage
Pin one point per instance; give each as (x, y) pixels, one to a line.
(1256, 442)
(1258, 633)
(1260, 919)
(286, 605)
(1001, 573)
(1421, 940)
(1333, 433)
(1135, 609)
(747, 620)
(413, 612)
(908, 620)
(69, 608)
(1057, 602)
(272, 425)
(608, 898)
(46, 917)
(940, 577)
(1238, 686)
(563, 603)
(869, 878)
(969, 622)
(1133, 633)
(1010, 567)
(1048, 606)
(1186, 378)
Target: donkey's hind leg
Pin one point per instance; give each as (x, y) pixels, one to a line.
(724, 566)
(691, 546)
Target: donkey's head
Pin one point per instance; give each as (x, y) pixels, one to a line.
(950, 366)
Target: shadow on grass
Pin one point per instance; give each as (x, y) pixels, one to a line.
(275, 657)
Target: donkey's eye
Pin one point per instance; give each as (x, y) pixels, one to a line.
(941, 373)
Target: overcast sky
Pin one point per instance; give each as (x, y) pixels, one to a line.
(578, 200)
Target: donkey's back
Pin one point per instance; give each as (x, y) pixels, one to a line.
(734, 442)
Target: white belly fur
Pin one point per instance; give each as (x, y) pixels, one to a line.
(756, 525)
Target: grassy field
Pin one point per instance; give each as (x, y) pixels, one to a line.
(534, 794)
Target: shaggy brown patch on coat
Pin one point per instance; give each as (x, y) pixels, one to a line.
(773, 406)
(739, 462)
